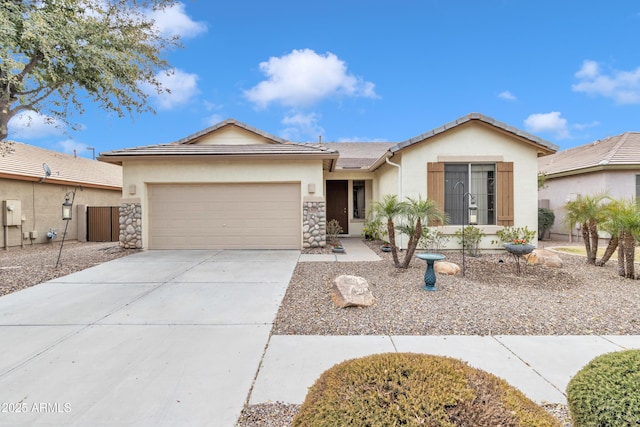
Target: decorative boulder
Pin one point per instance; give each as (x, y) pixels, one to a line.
(351, 291)
(544, 257)
(446, 267)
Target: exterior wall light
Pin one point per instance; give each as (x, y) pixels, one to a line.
(67, 211)
(473, 211)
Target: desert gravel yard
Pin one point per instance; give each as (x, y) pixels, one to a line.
(33, 264)
(491, 299)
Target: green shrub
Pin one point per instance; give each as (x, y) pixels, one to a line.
(546, 218)
(472, 237)
(432, 239)
(509, 234)
(411, 389)
(606, 392)
(373, 228)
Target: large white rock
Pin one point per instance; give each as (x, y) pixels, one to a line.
(544, 257)
(351, 291)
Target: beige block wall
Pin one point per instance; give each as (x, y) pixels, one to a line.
(137, 174)
(41, 209)
(475, 143)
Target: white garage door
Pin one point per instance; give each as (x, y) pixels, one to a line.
(225, 216)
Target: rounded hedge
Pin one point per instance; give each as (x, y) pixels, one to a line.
(411, 389)
(606, 392)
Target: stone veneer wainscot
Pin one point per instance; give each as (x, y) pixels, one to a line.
(314, 223)
(131, 225)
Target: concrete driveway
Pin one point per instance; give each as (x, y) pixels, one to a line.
(159, 338)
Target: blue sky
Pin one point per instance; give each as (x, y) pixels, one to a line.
(356, 70)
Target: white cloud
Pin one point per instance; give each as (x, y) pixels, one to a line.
(548, 123)
(302, 127)
(33, 125)
(174, 21)
(583, 126)
(507, 95)
(303, 78)
(69, 145)
(213, 119)
(621, 86)
(182, 88)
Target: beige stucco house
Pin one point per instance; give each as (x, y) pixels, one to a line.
(610, 165)
(32, 201)
(234, 186)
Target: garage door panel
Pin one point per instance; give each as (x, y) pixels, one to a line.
(225, 216)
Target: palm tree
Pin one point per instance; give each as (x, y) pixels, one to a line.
(624, 218)
(418, 212)
(588, 211)
(390, 209)
(611, 227)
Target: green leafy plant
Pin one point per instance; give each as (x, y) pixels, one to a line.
(546, 218)
(470, 240)
(606, 392)
(517, 235)
(373, 228)
(393, 389)
(433, 239)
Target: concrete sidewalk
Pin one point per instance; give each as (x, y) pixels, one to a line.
(539, 366)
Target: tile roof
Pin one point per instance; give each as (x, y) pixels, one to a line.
(189, 146)
(26, 163)
(613, 152)
(360, 155)
(545, 147)
(175, 149)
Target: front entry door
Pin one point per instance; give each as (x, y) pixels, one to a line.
(338, 202)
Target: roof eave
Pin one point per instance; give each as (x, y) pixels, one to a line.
(591, 169)
(120, 158)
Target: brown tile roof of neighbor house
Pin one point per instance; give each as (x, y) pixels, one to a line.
(360, 155)
(616, 152)
(26, 163)
(544, 147)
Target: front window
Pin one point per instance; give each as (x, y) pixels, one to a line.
(358, 200)
(478, 180)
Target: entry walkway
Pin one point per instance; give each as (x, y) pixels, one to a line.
(355, 250)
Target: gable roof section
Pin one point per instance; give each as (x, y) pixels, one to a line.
(188, 147)
(544, 147)
(194, 138)
(25, 163)
(617, 152)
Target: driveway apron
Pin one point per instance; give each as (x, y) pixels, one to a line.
(159, 338)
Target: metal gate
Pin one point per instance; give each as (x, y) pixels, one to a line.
(103, 223)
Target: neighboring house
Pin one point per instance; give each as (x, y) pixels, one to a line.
(234, 186)
(610, 166)
(32, 202)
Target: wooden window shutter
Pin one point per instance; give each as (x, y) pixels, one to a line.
(435, 186)
(504, 174)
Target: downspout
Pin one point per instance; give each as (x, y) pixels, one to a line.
(389, 162)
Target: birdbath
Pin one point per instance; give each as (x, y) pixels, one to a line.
(430, 273)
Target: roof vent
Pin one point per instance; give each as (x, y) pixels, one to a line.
(604, 162)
